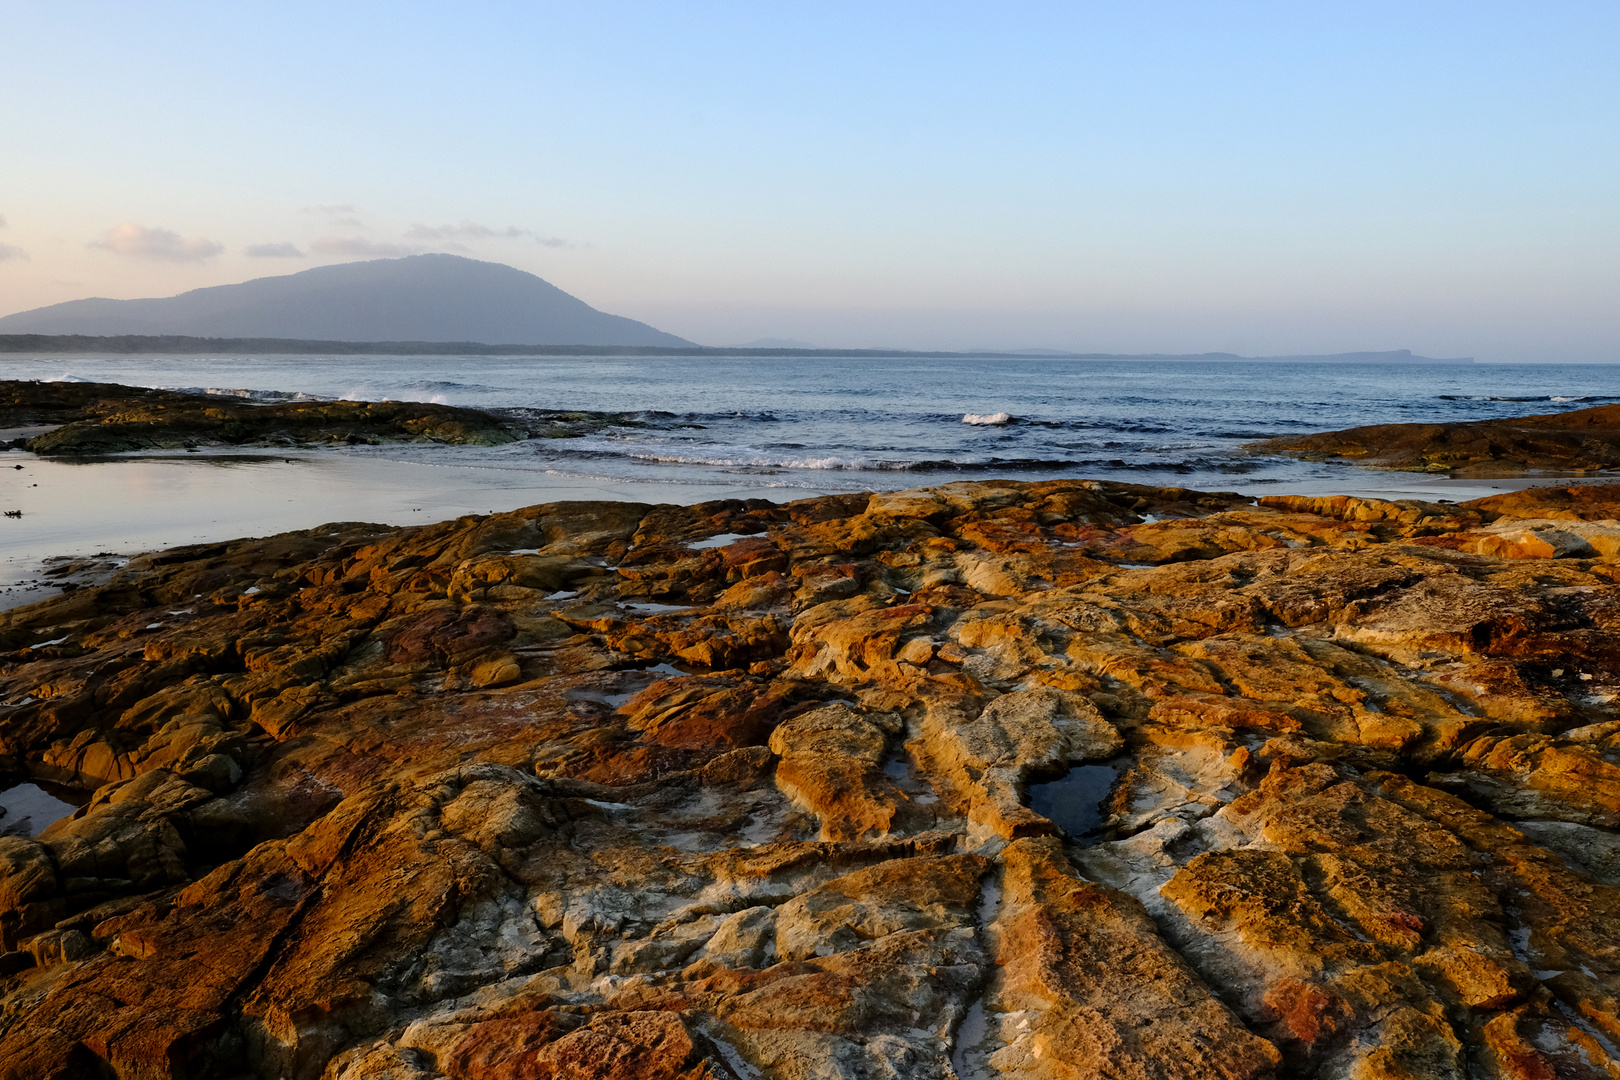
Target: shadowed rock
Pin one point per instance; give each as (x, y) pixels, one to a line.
(105, 418)
(1583, 440)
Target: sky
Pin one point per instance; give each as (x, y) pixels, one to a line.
(1143, 176)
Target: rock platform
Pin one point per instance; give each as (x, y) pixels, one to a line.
(83, 419)
(745, 790)
(1579, 441)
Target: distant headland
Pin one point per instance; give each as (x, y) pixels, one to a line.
(183, 345)
(434, 305)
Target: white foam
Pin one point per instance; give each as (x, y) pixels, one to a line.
(983, 419)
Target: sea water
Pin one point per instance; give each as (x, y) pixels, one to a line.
(686, 429)
(826, 424)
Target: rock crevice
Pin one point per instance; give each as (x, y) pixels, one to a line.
(573, 791)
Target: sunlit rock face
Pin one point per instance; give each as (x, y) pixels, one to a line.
(570, 792)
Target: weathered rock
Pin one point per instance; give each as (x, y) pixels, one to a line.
(1585, 439)
(101, 418)
(567, 792)
(832, 764)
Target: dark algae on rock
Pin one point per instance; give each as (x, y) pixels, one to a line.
(105, 418)
(1583, 440)
(567, 792)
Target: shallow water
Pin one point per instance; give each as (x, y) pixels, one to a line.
(1074, 800)
(682, 430)
(30, 809)
(891, 423)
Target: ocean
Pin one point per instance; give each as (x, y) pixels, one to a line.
(792, 426)
(685, 430)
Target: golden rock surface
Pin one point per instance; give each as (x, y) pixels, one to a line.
(742, 790)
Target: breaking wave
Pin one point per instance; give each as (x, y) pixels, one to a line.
(846, 424)
(761, 458)
(1560, 398)
(269, 397)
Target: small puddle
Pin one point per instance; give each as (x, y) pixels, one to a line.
(658, 673)
(989, 902)
(655, 609)
(903, 771)
(28, 809)
(734, 1058)
(1073, 801)
(970, 1052)
(612, 701)
(715, 541)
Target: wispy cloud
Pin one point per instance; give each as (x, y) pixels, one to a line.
(338, 215)
(10, 252)
(273, 251)
(468, 229)
(472, 230)
(356, 245)
(140, 242)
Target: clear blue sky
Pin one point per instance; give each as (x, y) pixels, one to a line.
(1255, 177)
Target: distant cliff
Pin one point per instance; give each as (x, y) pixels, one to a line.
(422, 298)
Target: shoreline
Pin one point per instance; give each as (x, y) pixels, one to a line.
(220, 469)
(140, 502)
(136, 503)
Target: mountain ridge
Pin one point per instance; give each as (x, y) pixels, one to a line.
(434, 297)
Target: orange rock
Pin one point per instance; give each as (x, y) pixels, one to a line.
(365, 802)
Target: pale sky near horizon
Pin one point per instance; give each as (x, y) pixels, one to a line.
(1259, 178)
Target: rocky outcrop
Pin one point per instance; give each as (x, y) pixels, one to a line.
(572, 791)
(1581, 440)
(105, 418)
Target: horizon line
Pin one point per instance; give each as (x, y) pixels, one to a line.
(140, 344)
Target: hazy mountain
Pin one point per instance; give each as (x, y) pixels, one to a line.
(776, 343)
(419, 298)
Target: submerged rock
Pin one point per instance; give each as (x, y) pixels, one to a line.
(573, 792)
